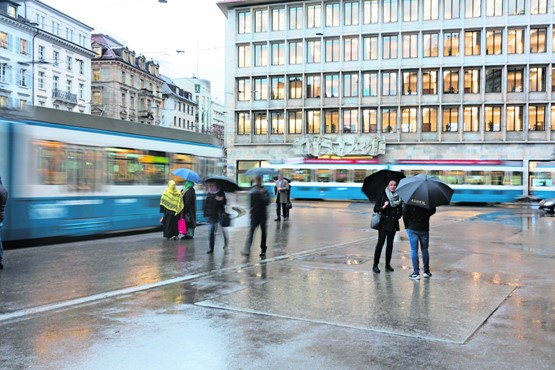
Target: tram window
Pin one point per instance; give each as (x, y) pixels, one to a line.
(341, 175)
(301, 175)
(125, 166)
(288, 173)
(450, 177)
(50, 156)
(156, 166)
(359, 175)
(323, 175)
(476, 178)
(189, 161)
(497, 178)
(516, 179)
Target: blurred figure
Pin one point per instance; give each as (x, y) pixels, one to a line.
(214, 207)
(281, 190)
(259, 201)
(190, 209)
(3, 201)
(171, 205)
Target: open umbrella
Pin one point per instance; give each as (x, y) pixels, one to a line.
(424, 191)
(187, 174)
(224, 183)
(261, 171)
(376, 183)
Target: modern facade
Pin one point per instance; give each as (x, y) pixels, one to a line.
(428, 79)
(124, 85)
(202, 95)
(179, 108)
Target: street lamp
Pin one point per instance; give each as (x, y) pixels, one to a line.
(163, 1)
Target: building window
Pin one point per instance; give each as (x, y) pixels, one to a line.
(492, 118)
(332, 50)
(69, 62)
(493, 79)
(515, 41)
(472, 80)
(429, 119)
(55, 82)
(537, 79)
(390, 9)
(494, 42)
(472, 43)
(244, 89)
(450, 44)
(97, 98)
(553, 79)
(431, 10)
(389, 120)
(261, 20)
(471, 117)
(314, 16)
(81, 91)
(331, 82)
(260, 55)
(410, 10)
(389, 83)
(370, 11)
(42, 50)
(410, 46)
(451, 81)
(244, 22)
(350, 121)
(244, 52)
(295, 122)
(536, 118)
(41, 79)
(243, 123)
(389, 45)
(351, 13)
(409, 120)
(295, 52)
(410, 83)
(431, 44)
(22, 78)
(538, 40)
(516, 7)
(278, 54)
(331, 121)
(260, 88)
(260, 123)
(56, 58)
(81, 66)
(450, 119)
(313, 121)
(350, 52)
(277, 123)
(515, 79)
(313, 86)
(350, 85)
(314, 53)
(515, 118)
(295, 87)
(538, 6)
(3, 40)
(369, 84)
(332, 15)
(278, 19)
(451, 9)
(494, 8)
(472, 8)
(429, 82)
(278, 88)
(369, 120)
(295, 17)
(370, 48)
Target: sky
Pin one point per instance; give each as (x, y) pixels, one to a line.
(159, 30)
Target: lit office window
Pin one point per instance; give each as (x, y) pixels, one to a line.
(494, 8)
(295, 52)
(494, 42)
(370, 48)
(553, 118)
(243, 123)
(350, 51)
(390, 9)
(536, 118)
(332, 15)
(450, 119)
(350, 121)
(295, 87)
(313, 86)
(451, 9)
(244, 89)
(515, 79)
(331, 121)
(278, 54)
(261, 20)
(370, 84)
(277, 123)
(410, 46)
(515, 114)
(331, 85)
(538, 6)
(516, 7)
(244, 56)
(429, 82)
(472, 80)
(313, 121)
(538, 40)
(260, 55)
(278, 88)
(295, 17)
(389, 120)
(350, 85)
(431, 44)
(431, 10)
(389, 45)
(494, 79)
(314, 53)
(313, 16)
(409, 119)
(295, 122)
(389, 83)
(278, 19)
(472, 43)
(370, 11)
(351, 13)
(429, 119)
(472, 8)
(260, 85)
(260, 123)
(410, 83)
(369, 120)
(492, 118)
(450, 44)
(244, 22)
(451, 81)
(471, 117)
(410, 10)
(537, 79)
(332, 50)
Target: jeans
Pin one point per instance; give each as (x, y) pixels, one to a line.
(424, 238)
(254, 224)
(213, 228)
(1, 247)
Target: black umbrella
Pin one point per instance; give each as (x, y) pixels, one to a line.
(224, 183)
(424, 191)
(376, 183)
(261, 171)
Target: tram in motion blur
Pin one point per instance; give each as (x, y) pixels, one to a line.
(71, 174)
(487, 181)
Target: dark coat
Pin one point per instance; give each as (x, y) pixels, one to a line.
(390, 215)
(417, 218)
(214, 208)
(259, 200)
(190, 207)
(3, 200)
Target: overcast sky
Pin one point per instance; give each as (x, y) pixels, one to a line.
(158, 30)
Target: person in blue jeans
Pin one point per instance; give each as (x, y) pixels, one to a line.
(3, 201)
(417, 223)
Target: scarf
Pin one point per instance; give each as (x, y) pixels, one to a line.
(188, 184)
(394, 198)
(171, 198)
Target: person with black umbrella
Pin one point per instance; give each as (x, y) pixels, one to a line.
(417, 223)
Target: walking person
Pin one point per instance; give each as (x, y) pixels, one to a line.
(259, 201)
(190, 209)
(171, 205)
(417, 223)
(281, 190)
(3, 201)
(389, 205)
(214, 207)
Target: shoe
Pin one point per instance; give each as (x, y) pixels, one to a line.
(376, 269)
(277, 219)
(286, 218)
(210, 251)
(427, 274)
(388, 268)
(187, 237)
(414, 276)
(225, 246)
(263, 252)
(1, 266)
(244, 254)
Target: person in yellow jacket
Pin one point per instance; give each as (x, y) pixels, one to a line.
(171, 206)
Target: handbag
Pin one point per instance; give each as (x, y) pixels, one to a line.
(375, 222)
(225, 221)
(182, 226)
(289, 205)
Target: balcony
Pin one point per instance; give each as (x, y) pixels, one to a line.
(64, 96)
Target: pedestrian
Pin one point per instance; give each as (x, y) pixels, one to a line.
(417, 223)
(3, 201)
(281, 190)
(389, 206)
(259, 201)
(214, 207)
(171, 205)
(190, 209)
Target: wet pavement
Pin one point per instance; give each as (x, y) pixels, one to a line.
(141, 302)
